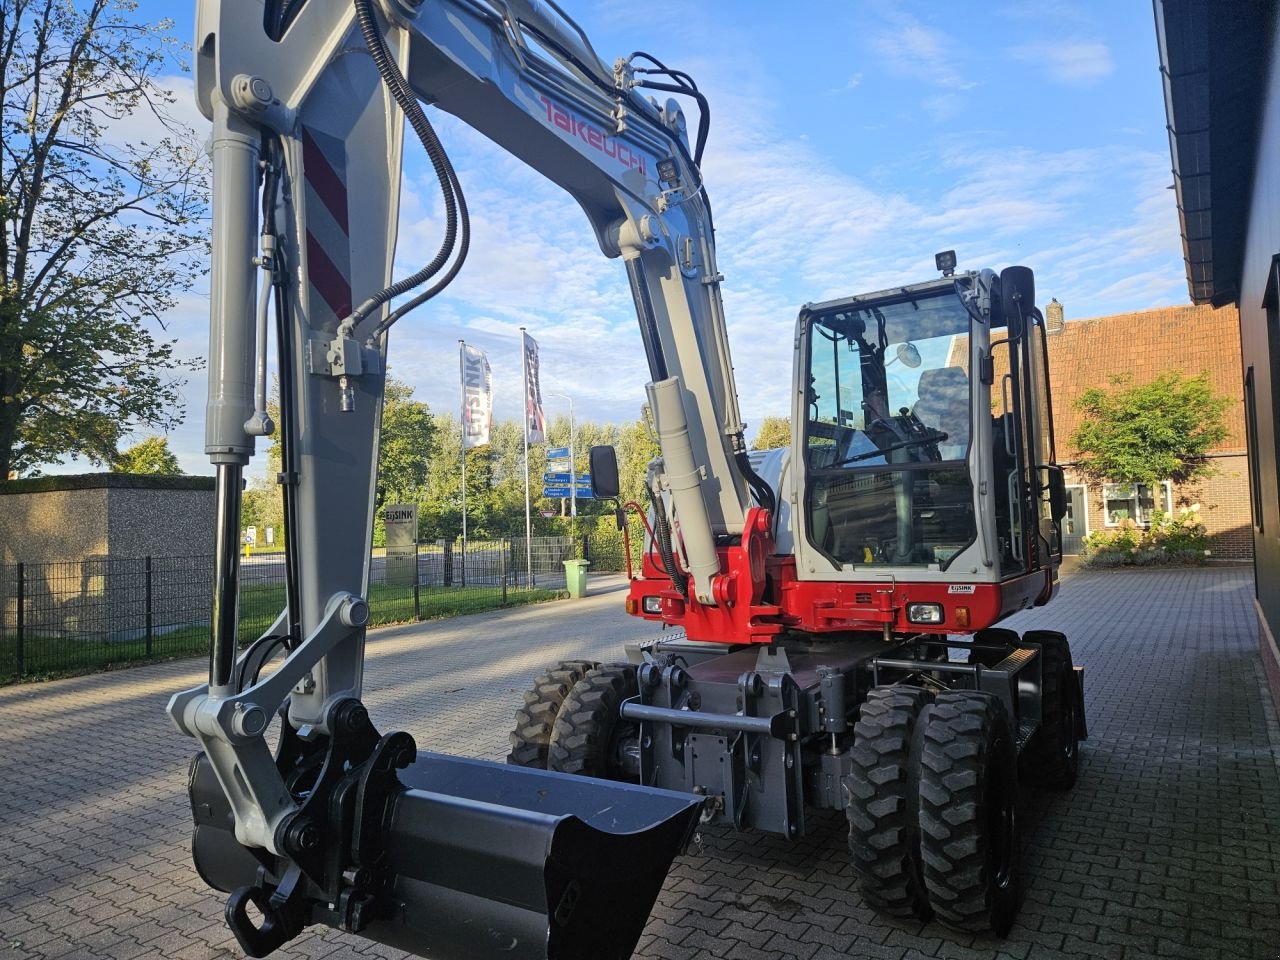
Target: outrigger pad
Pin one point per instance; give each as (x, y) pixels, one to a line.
(483, 859)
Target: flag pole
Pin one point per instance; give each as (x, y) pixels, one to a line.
(528, 519)
(462, 446)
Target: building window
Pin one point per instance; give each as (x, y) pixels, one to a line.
(1251, 440)
(1135, 501)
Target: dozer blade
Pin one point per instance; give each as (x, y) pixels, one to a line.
(483, 860)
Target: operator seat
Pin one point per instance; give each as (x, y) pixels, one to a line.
(944, 405)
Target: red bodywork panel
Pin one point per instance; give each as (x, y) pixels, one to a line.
(760, 595)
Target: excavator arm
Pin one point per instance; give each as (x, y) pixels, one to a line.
(341, 825)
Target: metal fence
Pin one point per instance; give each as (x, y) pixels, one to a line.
(93, 613)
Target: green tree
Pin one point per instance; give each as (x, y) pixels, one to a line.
(636, 449)
(150, 456)
(408, 444)
(1151, 432)
(774, 432)
(440, 508)
(100, 229)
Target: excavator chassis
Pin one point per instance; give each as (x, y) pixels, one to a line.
(765, 732)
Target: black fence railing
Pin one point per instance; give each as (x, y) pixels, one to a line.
(89, 614)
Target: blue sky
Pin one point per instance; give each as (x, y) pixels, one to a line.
(850, 141)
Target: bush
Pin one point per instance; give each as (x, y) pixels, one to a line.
(1180, 539)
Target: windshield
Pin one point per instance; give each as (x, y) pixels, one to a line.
(888, 430)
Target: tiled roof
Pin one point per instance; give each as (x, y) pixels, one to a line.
(1142, 345)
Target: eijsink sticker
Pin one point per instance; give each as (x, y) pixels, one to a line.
(961, 588)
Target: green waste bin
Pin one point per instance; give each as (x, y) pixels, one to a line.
(575, 577)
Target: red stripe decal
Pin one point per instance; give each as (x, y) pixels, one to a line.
(328, 280)
(328, 186)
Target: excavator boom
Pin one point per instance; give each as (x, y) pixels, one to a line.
(308, 101)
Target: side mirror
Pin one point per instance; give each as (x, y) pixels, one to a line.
(604, 473)
(1057, 493)
(1017, 297)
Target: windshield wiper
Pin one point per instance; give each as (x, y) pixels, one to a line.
(933, 436)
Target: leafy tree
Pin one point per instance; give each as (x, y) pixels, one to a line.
(636, 448)
(99, 230)
(774, 432)
(150, 456)
(408, 444)
(1149, 432)
(440, 507)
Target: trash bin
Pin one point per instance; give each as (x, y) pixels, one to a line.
(575, 577)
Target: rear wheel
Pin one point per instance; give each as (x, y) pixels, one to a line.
(968, 812)
(883, 785)
(531, 738)
(1052, 758)
(590, 738)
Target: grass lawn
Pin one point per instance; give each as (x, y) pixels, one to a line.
(46, 657)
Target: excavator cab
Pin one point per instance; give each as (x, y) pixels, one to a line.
(925, 446)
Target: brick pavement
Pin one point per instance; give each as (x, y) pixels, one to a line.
(1168, 847)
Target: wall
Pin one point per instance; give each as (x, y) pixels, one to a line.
(82, 541)
(49, 525)
(1260, 351)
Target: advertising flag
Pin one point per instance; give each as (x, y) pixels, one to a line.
(534, 420)
(477, 398)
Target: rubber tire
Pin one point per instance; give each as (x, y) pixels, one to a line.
(968, 813)
(531, 737)
(589, 730)
(1052, 758)
(883, 809)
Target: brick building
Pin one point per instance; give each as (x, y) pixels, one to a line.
(1190, 340)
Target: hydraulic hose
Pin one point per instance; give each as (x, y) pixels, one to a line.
(455, 208)
(662, 535)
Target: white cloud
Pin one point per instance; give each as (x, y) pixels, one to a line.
(916, 50)
(1069, 61)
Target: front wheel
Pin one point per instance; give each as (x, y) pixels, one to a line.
(590, 737)
(535, 720)
(968, 813)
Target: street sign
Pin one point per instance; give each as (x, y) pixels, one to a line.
(557, 478)
(555, 491)
(559, 466)
(558, 453)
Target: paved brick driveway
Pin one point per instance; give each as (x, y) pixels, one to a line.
(1168, 847)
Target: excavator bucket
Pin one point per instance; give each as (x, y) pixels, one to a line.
(486, 860)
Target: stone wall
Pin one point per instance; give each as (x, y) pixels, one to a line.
(83, 543)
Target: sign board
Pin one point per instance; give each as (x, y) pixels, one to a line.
(558, 453)
(251, 536)
(584, 493)
(557, 478)
(401, 521)
(271, 535)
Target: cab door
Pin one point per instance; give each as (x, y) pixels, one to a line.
(1030, 498)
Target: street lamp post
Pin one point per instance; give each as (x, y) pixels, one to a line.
(573, 472)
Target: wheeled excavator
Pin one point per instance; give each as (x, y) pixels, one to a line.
(835, 603)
